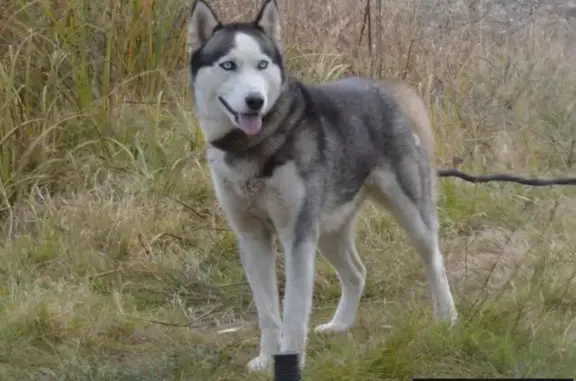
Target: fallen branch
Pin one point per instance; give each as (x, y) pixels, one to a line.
(534, 181)
(160, 322)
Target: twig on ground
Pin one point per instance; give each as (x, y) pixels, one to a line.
(166, 323)
(103, 274)
(536, 182)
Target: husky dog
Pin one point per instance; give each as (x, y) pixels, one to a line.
(298, 160)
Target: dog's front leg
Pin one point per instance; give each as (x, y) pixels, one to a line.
(299, 243)
(258, 258)
(259, 262)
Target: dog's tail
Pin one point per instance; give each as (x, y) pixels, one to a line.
(417, 112)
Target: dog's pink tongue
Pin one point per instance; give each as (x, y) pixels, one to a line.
(250, 124)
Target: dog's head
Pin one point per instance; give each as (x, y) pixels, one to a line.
(236, 68)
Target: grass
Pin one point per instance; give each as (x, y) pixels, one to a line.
(116, 263)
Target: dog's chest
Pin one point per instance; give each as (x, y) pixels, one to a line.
(244, 178)
(240, 176)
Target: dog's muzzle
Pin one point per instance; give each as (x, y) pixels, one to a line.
(250, 122)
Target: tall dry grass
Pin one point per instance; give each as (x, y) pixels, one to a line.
(115, 262)
(67, 66)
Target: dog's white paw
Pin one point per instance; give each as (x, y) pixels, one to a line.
(449, 319)
(260, 364)
(453, 321)
(332, 327)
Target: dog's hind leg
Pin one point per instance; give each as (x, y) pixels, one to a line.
(412, 205)
(340, 250)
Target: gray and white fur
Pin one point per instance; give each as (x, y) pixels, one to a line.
(298, 160)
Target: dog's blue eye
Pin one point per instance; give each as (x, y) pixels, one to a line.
(262, 65)
(228, 65)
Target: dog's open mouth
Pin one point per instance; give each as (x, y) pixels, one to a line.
(250, 122)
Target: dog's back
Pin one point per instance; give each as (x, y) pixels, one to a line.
(362, 96)
(369, 125)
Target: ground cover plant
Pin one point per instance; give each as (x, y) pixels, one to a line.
(116, 263)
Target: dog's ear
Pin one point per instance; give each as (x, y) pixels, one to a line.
(201, 25)
(269, 20)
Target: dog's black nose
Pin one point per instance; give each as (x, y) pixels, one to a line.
(254, 102)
